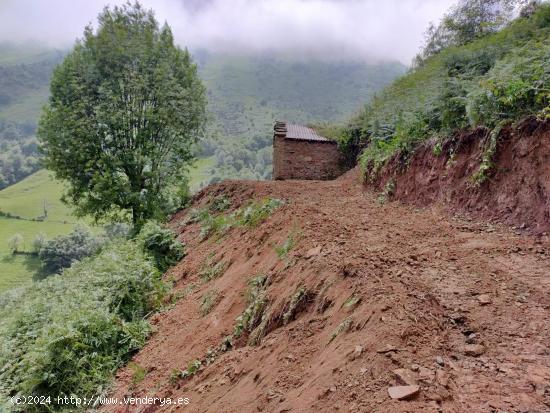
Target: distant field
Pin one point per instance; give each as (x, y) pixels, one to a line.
(16, 270)
(200, 174)
(26, 199)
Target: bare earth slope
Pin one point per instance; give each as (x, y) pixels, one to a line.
(461, 306)
(517, 188)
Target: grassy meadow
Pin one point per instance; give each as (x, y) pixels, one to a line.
(26, 199)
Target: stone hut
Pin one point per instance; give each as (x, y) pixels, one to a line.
(300, 153)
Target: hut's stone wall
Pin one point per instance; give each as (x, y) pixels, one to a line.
(301, 159)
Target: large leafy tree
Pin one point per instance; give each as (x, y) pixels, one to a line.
(126, 110)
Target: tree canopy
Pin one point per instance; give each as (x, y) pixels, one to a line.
(125, 112)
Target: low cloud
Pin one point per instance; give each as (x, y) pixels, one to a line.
(326, 29)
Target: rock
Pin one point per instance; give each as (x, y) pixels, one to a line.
(471, 339)
(442, 377)
(484, 299)
(388, 349)
(439, 360)
(425, 374)
(406, 376)
(402, 392)
(474, 350)
(313, 252)
(431, 395)
(357, 352)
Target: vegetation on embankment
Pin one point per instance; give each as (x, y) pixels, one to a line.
(69, 333)
(493, 80)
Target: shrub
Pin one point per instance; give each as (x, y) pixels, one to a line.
(298, 299)
(517, 86)
(39, 242)
(63, 250)
(220, 204)
(117, 230)
(287, 246)
(15, 243)
(69, 333)
(209, 301)
(161, 244)
(211, 270)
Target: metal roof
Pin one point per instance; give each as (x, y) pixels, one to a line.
(298, 132)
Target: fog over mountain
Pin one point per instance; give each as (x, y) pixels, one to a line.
(326, 29)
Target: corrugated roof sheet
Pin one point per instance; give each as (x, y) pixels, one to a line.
(299, 132)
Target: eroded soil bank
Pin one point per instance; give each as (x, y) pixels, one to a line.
(367, 297)
(517, 188)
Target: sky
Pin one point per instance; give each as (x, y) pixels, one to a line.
(364, 30)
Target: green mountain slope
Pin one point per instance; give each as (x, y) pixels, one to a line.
(248, 93)
(26, 199)
(497, 79)
(24, 83)
(24, 80)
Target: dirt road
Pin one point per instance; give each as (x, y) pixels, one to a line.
(394, 296)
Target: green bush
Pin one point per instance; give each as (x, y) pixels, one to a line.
(220, 204)
(62, 251)
(518, 85)
(117, 230)
(161, 244)
(256, 306)
(69, 333)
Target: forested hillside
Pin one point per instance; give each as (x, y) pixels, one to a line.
(25, 71)
(248, 93)
(245, 95)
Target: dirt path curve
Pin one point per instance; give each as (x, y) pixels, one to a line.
(395, 296)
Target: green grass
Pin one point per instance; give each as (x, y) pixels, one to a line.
(26, 199)
(200, 174)
(17, 270)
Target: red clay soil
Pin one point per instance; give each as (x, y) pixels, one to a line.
(517, 191)
(461, 307)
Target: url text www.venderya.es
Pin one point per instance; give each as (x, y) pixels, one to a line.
(99, 401)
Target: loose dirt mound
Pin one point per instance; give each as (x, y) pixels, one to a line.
(517, 189)
(366, 297)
